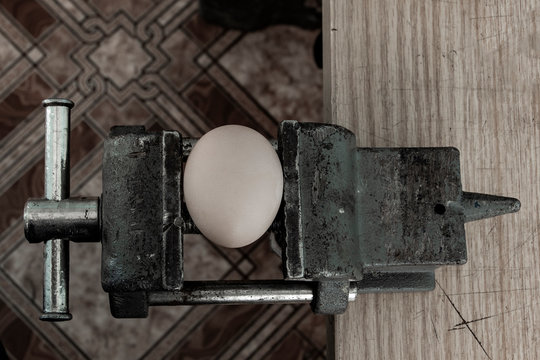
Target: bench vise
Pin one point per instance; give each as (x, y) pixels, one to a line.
(352, 220)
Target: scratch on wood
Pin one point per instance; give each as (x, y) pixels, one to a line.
(492, 291)
(490, 17)
(492, 228)
(460, 325)
(464, 321)
(519, 246)
(492, 36)
(457, 328)
(463, 324)
(434, 329)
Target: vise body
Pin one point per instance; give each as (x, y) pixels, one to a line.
(352, 220)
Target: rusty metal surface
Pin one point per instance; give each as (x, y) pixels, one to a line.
(353, 220)
(403, 213)
(384, 218)
(142, 244)
(319, 232)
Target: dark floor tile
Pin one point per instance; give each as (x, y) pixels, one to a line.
(211, 338)
(133, 8)
(57, 63)
(155, 127)
(217, 107)
(30, 14)
(277, 69)
(234, 255)
(13, 200)
(22, 101)
(267, 263)
(8, 53)
(313, 327)
(202, 260)
(83, 140)
(253, 79)
(181, 68)
(19, 341)
(293, 347)
(201, 30)
(107, 114)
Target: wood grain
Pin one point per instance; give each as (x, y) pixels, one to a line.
(447, 73)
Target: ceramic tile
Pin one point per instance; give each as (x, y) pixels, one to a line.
(13, 200)
(234, 255)
(202, 261)
(93, 328)
(260, 336)
(93, 183)
(246, 267)
(181, 68)
(152, 63)
(107, 114)
(35, 55)
(175, 8)
(204, 60)
(253, 329)
(214, 336)
(83, 140)
(226, 41)
(26, 97)
(267, 263)
(30, 14)
(201, 30)
(288, 82)
(57, 63)
(12, 30)
(216, 106)
(72, 7)
(245, 100)
(314, 329)
(8, 54)
(18, 339)
(285, 327)
(120, 58)
(135, 9)
(293, 347)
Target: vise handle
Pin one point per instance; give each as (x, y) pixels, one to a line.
(56, 219)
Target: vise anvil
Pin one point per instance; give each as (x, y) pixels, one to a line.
(352, 220)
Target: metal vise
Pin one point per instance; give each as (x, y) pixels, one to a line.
(352, 220)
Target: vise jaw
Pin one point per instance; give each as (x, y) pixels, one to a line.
(379, 219)
(352, 220)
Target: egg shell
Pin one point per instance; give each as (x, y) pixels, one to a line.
(233, 185)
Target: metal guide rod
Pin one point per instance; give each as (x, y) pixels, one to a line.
(56, 251)
(239, 292)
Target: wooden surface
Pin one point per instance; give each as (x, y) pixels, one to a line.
(448, 73)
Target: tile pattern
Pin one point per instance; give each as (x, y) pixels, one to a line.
(159, 64)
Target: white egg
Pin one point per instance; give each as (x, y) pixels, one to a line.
(233, 185)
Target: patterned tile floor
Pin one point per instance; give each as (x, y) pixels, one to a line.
(159, 64)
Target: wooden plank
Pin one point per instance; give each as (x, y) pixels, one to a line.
(447, 73)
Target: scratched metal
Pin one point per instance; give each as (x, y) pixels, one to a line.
(385, 213)
(353, 220)
(142, 243)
